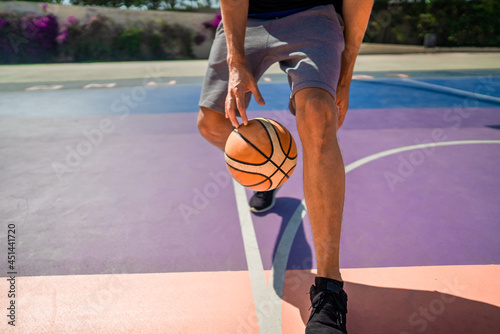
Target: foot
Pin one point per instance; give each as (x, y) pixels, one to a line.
(262, 201)
(329, 308)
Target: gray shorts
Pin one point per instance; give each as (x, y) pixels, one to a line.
(308, 46)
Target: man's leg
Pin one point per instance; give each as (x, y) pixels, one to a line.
(324, 188)
(214, 127)
(324, 175)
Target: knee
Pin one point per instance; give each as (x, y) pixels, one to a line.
(213, 126)
(317, 117)
(205, 127)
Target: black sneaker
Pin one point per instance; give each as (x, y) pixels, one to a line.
(329, 308)
(262, 201)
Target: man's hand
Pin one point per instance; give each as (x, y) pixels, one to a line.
(356, 14)
(241, 81)
(342, 103)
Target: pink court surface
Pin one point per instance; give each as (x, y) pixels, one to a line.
(122, 219)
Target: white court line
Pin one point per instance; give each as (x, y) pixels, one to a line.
(379, 155)
(268, 298)
(280, 260)
(288, 236)
(268, 311)
(454, 91)
(98, 85)
(154, 83)
(439, 88)
(44, 87)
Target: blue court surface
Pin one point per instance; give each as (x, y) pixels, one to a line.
(127, 221)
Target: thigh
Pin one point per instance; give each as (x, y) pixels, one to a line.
(214, 90)
(311, 56)
(215, 84)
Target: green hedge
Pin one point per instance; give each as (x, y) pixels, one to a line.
(101, 39)
(454, 22)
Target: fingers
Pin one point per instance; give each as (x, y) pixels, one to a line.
(342, 112)
(258, 96)
(241, 104)
(237, 99)
(231, 110)
(234, 102)
(241, 82)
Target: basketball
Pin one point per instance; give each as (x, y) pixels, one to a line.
(261, 155)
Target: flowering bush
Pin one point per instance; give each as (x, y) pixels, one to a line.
(101, 39)
(211, 26)
(33, 38)
(94, 40)
(27, 38)
(161, 40)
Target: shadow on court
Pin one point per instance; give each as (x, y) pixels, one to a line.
(389, 310)
(300, 256)
(375, 309)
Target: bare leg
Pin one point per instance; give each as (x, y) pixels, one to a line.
(214, 126)
(324, 175)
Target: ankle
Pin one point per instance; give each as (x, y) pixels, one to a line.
(335, 275)
(322, 282)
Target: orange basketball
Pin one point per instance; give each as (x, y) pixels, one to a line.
(261, 155)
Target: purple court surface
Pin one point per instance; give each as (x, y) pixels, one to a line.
(122, 219)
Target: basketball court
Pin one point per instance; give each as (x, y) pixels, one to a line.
(127, 221)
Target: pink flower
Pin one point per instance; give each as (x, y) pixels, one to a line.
(44, 6)
(72, 20)
(41, 23)
(61, 38)
(217, 19)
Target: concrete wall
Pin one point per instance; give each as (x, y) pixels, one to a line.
(193, 21)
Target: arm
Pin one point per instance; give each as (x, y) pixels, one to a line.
(356, 14)
(241, 80)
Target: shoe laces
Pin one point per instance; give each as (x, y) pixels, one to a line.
(318, 301)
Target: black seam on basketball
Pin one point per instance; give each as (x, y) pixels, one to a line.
(290, 171)
(245, 171)
(268, 159)
(277, 136)
(268, 136)
(283, 178)
(287, 175)
(282, 163)
(257, 184)
(281, 147)
(247, 163)
(290, 139)
(255, 147)
(280, 170)
(272, 147)
(253, 173)
(290, 147)
(266, 178)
